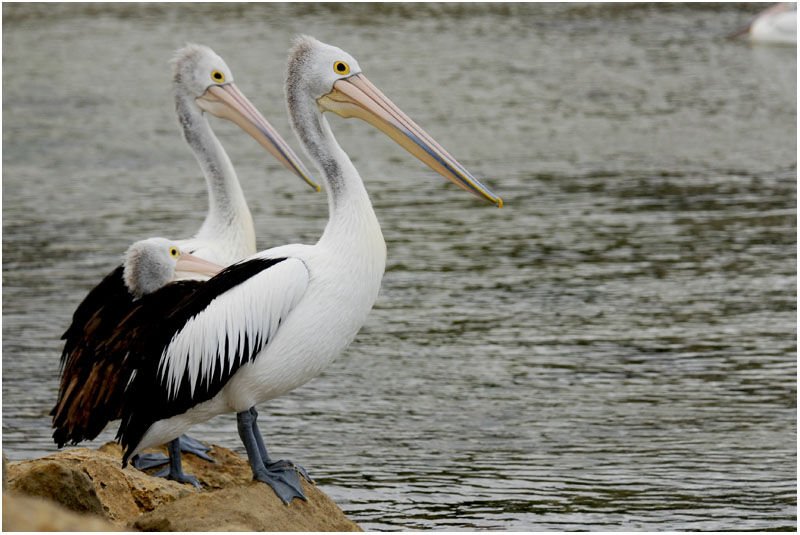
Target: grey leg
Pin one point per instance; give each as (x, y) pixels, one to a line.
(265, 456)
(283, 479)
(174, 470)
(143, 461)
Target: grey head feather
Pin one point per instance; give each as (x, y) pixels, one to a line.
(184, 64)
(148, 265)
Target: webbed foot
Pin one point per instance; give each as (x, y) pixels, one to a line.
(180, 476)
(174, 470)
(281, 475)
(143, 461)
(283, 479)
(192, 445)
(283, 463)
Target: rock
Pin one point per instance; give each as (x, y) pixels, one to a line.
(89, 481)
(27, 513)
(93, 482)
(250, 507)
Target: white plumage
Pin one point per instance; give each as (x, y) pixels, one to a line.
(251, 311)
(202, 82)
(294, 307)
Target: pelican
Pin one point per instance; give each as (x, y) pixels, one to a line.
(89, 386)
(202, 82)
(774, 25)
(268, 324)
(777, 24)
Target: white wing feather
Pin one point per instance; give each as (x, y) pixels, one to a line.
(250, 311)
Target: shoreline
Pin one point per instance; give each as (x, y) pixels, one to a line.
(84, 489)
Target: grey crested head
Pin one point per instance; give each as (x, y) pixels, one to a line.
(195, 68)
(149, 264)
(312, 67)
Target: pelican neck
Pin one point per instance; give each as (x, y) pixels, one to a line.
(228, 216)
(352, 217)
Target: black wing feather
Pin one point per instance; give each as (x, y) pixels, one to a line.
(105, 301)
(150, 330)
(85, 380)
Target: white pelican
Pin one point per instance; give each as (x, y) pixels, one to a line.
(777, 24)
(90, 386)
(202, 82)
(268, 324)
(774, 25)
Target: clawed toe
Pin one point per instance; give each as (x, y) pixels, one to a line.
(304, 473)
(180, 477)
(185, 478)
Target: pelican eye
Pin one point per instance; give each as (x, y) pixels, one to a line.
(217, 76)
(173, 252)
(340, 67)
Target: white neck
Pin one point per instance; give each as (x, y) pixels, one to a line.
(228, 218)
(353, 227)
(351, 211)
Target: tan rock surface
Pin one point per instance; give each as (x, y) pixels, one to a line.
(92, 482)
(27, 513)
(250, 507)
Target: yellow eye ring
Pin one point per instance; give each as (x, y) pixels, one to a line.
(217, 76)
(173, 252)
(340, 67)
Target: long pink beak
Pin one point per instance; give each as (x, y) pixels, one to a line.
(355, 96)
(227, 102)
(194, 264)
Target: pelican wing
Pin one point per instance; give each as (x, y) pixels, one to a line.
(88, 375)
(185, 354)
(96, 361)
(109, 299)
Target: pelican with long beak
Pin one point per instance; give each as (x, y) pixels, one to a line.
(268, 324)
(203, 84)
(91, 386)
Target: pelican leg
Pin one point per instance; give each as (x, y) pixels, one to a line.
(265, 456)
(145, 461)
(174, 470)
(283, 479)
(192, 445)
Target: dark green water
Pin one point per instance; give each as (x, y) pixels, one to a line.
(615, 349)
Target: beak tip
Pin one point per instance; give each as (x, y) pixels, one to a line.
(499, 202)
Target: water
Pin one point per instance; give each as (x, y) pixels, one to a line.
(614, 349)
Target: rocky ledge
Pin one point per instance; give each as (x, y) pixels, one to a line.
(87, 490)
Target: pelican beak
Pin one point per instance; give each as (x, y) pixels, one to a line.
(355, 96)
(227, 102)
(194, 264)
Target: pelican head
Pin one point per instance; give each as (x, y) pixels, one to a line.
(334, 79)
(150, 264)
(200, 75)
